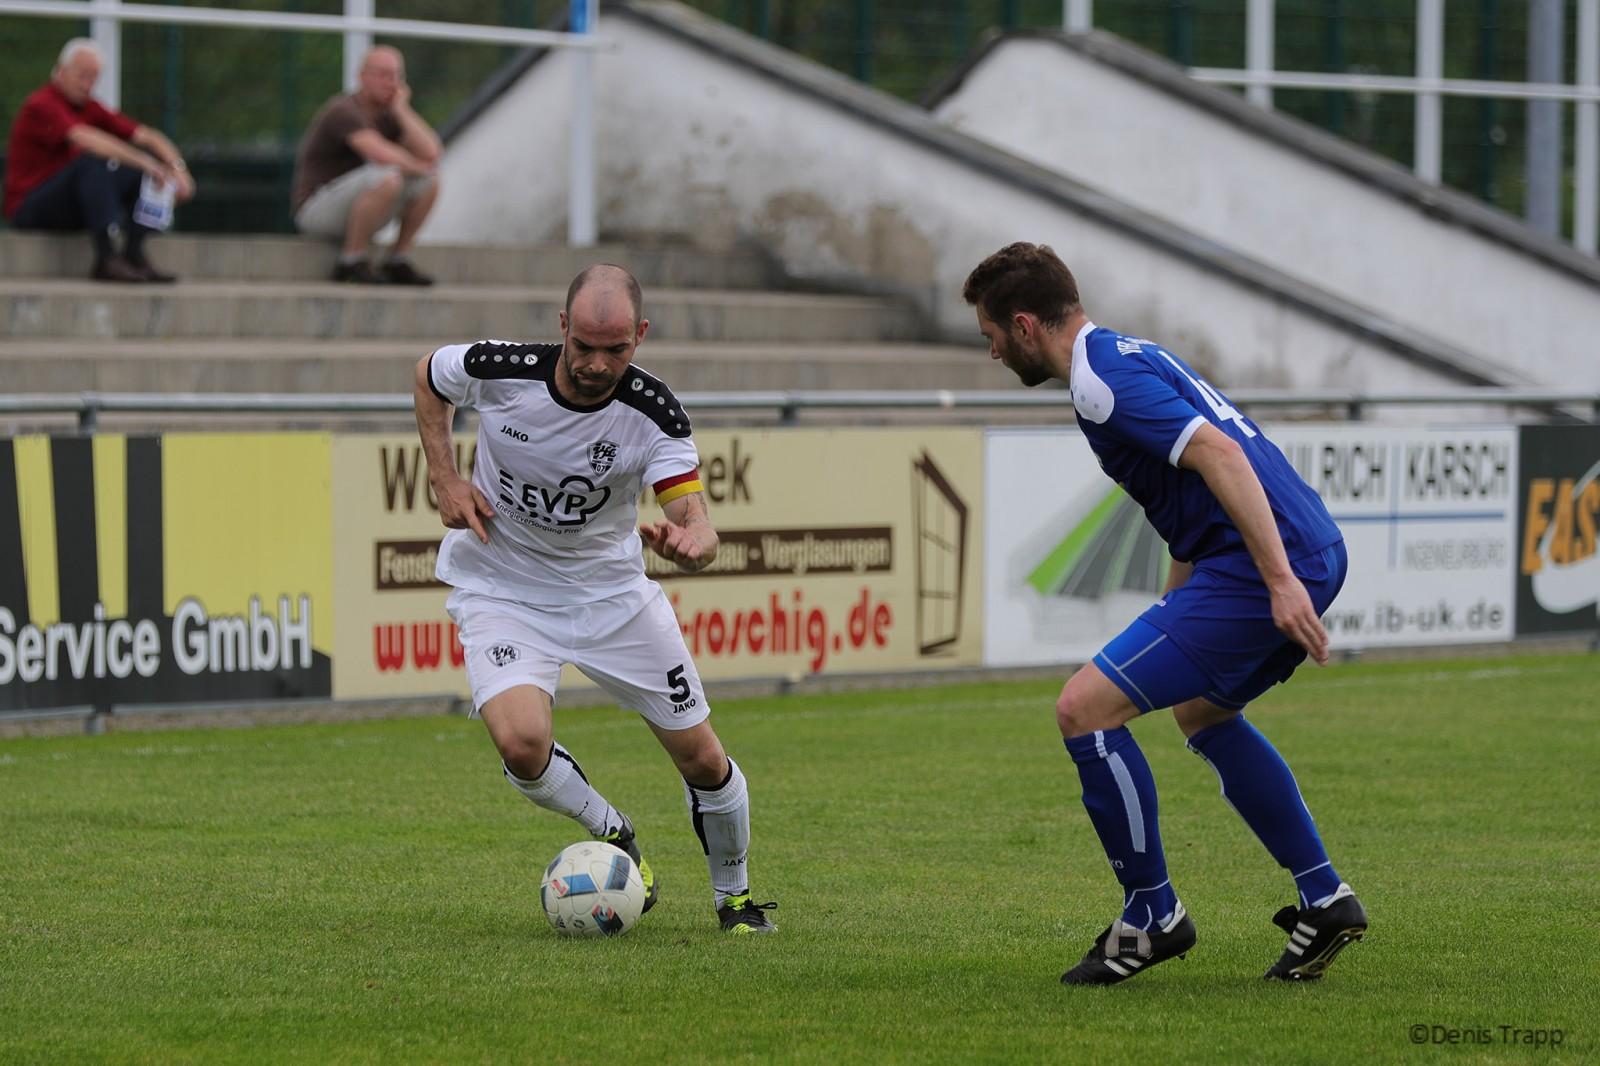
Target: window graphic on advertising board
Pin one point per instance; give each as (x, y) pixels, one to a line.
(941, 531)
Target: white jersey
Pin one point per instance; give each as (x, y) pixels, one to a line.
(565, 480)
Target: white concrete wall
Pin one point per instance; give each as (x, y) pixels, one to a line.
(1078, 117)
(695, 145)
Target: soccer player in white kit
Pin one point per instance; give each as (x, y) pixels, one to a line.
(545, 558)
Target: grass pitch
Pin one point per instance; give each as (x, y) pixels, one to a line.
(366, 892)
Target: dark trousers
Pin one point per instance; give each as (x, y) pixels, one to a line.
(89, 193)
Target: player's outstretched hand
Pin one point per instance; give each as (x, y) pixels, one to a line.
(673, 543)
(462, 505)
(1296, 617)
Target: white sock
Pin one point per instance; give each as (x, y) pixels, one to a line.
(721, 818)
(563, 788)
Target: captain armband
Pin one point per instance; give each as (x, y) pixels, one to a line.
(669, 489)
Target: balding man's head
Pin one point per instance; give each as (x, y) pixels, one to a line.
(606, 291)
(601, 326)
(77, 70)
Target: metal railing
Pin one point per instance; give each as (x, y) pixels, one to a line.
(358, 26)
(88, 407)
(1429, 86)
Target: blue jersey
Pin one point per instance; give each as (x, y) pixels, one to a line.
(1139, 405)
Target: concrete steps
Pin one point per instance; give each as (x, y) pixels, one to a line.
(252, 315)
(322, 311)
(38, 256)
(385, 366)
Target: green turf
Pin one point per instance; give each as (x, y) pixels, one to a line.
(366, 892)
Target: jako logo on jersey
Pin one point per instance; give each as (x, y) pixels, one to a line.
(602, 454)
(502, 654)
(515, 434)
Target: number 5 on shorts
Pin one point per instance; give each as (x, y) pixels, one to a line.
(678, 684)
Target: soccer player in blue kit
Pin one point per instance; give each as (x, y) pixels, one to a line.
(1256, 561)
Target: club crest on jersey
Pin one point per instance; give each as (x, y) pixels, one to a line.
(502, 654)
(602, 455)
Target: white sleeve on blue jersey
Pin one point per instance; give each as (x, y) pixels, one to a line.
(1133, 403)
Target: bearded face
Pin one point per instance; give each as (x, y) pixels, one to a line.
(1028, 364)
(593, 374)
(1018, 355)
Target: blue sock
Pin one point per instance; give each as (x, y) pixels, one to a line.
(1120, 796)
(1257, 783)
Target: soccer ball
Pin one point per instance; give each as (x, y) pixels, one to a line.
(592, 889)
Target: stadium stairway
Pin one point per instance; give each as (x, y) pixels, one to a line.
(252, 314)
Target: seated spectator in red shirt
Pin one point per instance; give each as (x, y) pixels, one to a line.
(75, 164)
(366, 160)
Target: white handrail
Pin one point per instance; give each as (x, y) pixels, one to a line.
(88, 406)
(1385, 83)
(276, 20)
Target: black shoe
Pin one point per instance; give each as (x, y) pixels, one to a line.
(1123, 951)
(739, 914)
(358, 273)
(116, 268)
(1317, 935)
(623, 838)
(151, 272)
(401, 272)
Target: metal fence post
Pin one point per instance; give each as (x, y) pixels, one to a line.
(107, 33)
(357, 43)
(1259, 49)
(1586, 132)
(1429, 146)
(581, 207)
(1546, 63)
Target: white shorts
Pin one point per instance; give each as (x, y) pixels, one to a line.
(630, 645)
(326, 212)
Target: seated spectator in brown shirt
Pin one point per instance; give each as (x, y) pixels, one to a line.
(366, 160)
(75, 164)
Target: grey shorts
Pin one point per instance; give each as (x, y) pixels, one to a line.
(631, 646)
(327, 211)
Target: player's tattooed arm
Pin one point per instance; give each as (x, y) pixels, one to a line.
(687, 536)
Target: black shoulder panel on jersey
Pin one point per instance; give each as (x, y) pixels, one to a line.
(648, 394)
(495, 360)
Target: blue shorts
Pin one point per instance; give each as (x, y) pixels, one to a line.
(1213, 635)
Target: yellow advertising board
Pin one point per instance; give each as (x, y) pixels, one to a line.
(843, 551)
(183, 568)
(394, 638)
